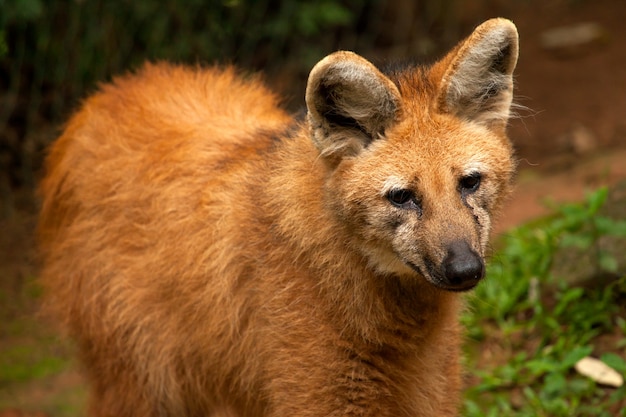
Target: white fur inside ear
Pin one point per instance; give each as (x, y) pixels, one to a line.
(359, 94)
(480, 84)
(350, 103)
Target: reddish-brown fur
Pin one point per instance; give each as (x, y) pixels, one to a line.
(211, 256)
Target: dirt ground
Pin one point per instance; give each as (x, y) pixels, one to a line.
(572, 138)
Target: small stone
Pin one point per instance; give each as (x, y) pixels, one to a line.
(570, 40)
(599, 372)
(583, 140)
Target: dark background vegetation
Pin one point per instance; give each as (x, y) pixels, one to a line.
(53, 53)
(56, 52)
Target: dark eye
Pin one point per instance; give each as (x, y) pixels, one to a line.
(470, 183)
(404, 199)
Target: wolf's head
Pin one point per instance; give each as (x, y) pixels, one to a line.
(419, 157)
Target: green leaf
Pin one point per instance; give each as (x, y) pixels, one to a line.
(568, 296)
(575, 355)
(472, 409)
(612, 227)
(23, 363)
(335, 13)
(596, 199)
(23, 10)
(607, 261)
(614, 361)
(581, 241)
(580, 385)
(603, 224)
(554, 384)
(541, 366)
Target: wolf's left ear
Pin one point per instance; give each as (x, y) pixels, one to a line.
(477, 81)
(350, 103)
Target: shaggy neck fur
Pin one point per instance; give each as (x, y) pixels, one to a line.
(381, 307)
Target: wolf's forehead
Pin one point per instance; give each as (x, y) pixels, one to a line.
(438, 136)
(413, 176)
(440, 160)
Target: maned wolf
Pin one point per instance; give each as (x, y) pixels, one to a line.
(211, 255)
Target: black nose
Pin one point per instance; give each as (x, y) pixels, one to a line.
(462, 267)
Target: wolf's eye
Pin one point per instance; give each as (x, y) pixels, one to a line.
(404, 199)
(470, 183)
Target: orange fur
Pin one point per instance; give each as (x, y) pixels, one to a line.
(212, 256)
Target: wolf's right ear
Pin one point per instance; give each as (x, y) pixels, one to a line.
(350, 103)
(477, 82)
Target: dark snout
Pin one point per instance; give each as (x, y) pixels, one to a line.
(462, 267)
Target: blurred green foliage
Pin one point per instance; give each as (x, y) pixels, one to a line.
(64, 47)
(541, 324)
(52, 53)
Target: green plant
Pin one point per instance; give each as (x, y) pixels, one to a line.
(54, 53)
(534, 326)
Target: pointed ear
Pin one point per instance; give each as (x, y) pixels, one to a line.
(350, 103)
(478, 79)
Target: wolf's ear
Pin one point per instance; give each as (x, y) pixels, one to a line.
(350, 103)
(477, 81)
